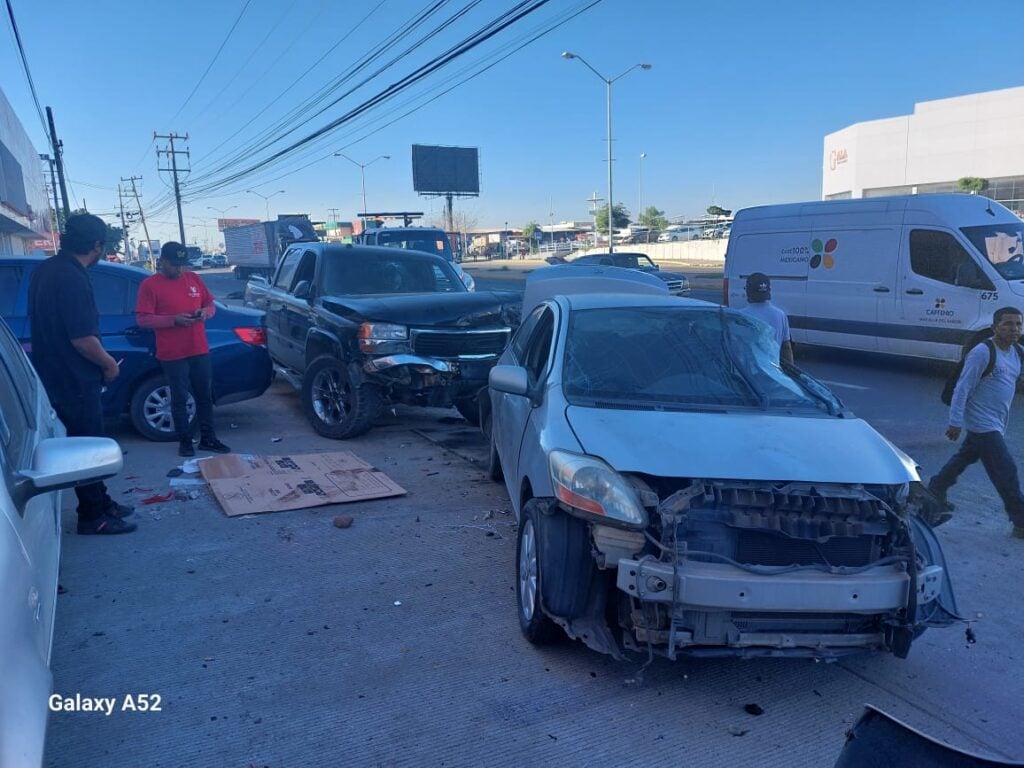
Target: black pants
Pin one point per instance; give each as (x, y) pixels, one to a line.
(83, 417)
(190, 373)
(991, 448)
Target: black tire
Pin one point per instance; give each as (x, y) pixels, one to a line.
(149, 410)
(469, 409)
(494, 470)
(334, 406)
(537, 626)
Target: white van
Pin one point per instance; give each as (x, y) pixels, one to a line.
(916, 275)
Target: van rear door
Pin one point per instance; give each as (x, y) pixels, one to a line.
(942, 293)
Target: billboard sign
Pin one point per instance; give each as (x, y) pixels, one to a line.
(223, 224)
(24, 206)
(445, 170)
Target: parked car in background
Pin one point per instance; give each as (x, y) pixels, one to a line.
(678, 232)
(38, 461)
(218, 260)
(357, 327)
(677, 284)
(237, 337)
(639, 441)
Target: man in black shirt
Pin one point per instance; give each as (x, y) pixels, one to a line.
(69, 357)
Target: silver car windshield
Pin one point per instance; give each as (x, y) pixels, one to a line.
(682, 357)
(1002, 245)
(347, 276)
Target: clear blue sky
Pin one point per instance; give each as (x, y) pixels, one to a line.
(733, 111)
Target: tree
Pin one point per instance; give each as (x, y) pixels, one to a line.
(971, 184)
(115, 235)
(714, 210)
(652, 218)
(530, 234)
(620, 218)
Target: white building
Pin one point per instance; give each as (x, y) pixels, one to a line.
(24, 209)
(977, 135)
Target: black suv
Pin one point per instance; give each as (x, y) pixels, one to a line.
(357, 327)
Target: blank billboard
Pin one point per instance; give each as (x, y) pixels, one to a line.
(443, 170)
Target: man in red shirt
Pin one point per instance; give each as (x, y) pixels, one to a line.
(176, 303)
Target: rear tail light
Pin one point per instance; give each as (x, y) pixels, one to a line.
(725, 291)
(254, 336)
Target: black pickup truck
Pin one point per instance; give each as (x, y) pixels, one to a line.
(358, 327)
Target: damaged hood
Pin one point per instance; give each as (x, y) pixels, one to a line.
(740, 446)
(461, 310)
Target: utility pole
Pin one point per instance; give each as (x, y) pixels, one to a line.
(124, 224)
(55, 224)
(58, 154)
(334, 215)
(173, 153)
(142, 218)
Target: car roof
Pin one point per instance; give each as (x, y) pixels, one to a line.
(102, 266)
(582, 301)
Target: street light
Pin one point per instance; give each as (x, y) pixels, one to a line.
(221, 211)
(362, 172)
(608, 82)
(266, 198)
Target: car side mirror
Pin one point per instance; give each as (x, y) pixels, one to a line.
(302, 290)
(64, 462)
(510, 379)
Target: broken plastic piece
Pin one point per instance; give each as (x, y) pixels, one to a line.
(158, 499)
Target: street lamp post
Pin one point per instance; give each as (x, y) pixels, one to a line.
(362, 172)
(608, 83)
(266, 198)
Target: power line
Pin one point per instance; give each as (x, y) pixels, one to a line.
(212, 61)
(28, 71)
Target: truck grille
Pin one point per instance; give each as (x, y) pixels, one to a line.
(459, 343)
(675, 286)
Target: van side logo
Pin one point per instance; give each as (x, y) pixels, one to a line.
(824, 254)
(940, 303)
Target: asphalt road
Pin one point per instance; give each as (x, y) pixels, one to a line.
(279, 640)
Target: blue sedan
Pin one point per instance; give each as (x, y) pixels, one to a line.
(237, 337)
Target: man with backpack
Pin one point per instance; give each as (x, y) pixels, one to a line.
(980, 405)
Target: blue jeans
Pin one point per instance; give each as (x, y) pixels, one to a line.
(991, 448)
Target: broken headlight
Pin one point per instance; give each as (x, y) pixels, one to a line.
(383, 338)
(591, 487)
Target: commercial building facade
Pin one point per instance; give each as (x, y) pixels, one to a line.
(24, 209)
(978, 135)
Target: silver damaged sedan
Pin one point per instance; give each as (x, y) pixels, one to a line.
(678, 491)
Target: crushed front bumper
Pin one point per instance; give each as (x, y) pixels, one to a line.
(701, 586)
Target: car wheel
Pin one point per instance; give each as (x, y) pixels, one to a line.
(335, 407)
(469, 409)
(494, 471)
(150, 410)
(536, 626)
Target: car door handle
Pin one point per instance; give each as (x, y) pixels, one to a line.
(880, 289)
(915, 291)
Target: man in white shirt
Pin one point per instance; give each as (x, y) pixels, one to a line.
(759, 306)
(981, 406)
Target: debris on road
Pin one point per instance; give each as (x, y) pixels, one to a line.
(398, 602)
(343, 521)
(753, 709)
(158, 499)
(276, 439)
(738, 730)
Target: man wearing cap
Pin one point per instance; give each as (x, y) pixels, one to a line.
(176, 303)
(69, 356)
(759, 306)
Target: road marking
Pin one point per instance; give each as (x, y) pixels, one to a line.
(841, 384)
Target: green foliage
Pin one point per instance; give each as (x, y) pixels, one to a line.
(530, 234)
(714, 210)
(972, 184)
(652, 218)
(620, 218)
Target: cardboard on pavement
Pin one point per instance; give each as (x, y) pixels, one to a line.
(244, 484)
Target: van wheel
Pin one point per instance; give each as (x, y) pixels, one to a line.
(336, 407)
(150, 410)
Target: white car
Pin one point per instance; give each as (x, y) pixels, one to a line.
(37, 461)
(674, 490)
(679, 233)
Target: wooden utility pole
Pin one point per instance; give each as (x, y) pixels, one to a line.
(124, 224)
(173, 154)
(142, 218)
